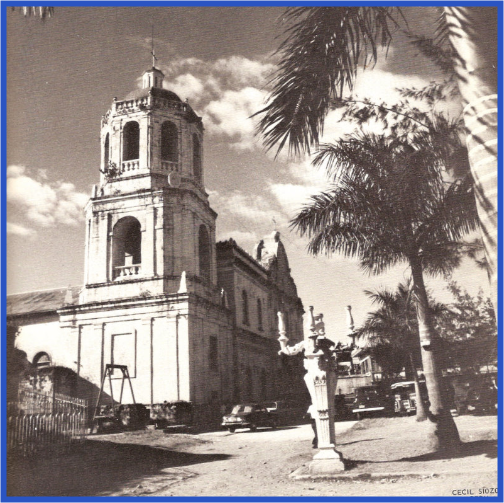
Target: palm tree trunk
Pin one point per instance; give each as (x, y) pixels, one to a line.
(473, 34)
(421, 413)
(445, 436)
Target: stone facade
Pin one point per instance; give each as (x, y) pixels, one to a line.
(193, 320)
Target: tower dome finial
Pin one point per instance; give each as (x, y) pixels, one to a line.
(153, 77)
(154, 59)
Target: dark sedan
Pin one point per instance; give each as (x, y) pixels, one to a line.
(249, 415)
(370, 400)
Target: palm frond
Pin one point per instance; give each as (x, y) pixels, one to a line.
(390, 202)
(319, 57)
(435, 49)
(451, 216)
(442, 28)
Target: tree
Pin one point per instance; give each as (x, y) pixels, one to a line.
(473, 34)
(469, 331)
(391, 203)
(319, 56)
(391, 333)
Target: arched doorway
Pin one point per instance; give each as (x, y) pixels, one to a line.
(126, 248)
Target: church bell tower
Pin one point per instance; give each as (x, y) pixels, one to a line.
(148, 219)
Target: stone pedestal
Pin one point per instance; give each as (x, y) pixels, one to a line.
(326, 466)
(320, 379)
(322, 385)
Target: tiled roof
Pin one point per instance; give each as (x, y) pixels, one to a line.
(41, 301)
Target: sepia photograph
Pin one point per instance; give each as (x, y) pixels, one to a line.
(251, 250)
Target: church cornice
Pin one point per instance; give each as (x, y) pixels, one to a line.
(149, 103)
(202, 301)
(139, 302)
(152, 193)
(125, 303)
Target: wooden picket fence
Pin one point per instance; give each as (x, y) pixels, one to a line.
(41, 422)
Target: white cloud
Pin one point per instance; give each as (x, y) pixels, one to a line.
(188, 86)
(230, 116)
(15, 170)
(178, 66)
(249, 207)
(304, 171)
(225, 92)
(234, 72)
(292, 197)
(19, 230)
(238, 72)
(46, 204)
(379, 85)
(335, 128)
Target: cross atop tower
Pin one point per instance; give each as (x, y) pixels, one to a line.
(154, 59)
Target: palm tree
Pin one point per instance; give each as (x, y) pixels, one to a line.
(473, 35)
(319, 56)
(390, 203)
(391, 332)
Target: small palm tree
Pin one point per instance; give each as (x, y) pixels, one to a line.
(320, 54)
(391, 331)
(390, 203)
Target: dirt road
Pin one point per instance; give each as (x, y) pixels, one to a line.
(151, 463)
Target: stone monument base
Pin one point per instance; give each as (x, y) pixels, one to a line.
(325, 462)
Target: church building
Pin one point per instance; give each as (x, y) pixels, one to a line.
(192, 319)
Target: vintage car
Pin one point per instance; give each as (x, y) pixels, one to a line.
(370, 400)
(343, 407)
(404, 397)
(287, 411)
(482, 399)
(249, 415)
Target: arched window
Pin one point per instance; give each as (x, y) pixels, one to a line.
(131, 141)
(196, 158)
(259, 314)
(169, 142)
(126, 248)
(204, 253)
(245, 307)
(106, 151)
(42, 360)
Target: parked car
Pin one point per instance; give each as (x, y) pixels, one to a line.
(482, 399)
(287, 411)
(343, 406)
(404, 397)
(249, 415)
(370, 400)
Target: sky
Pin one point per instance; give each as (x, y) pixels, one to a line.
(62, 75)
